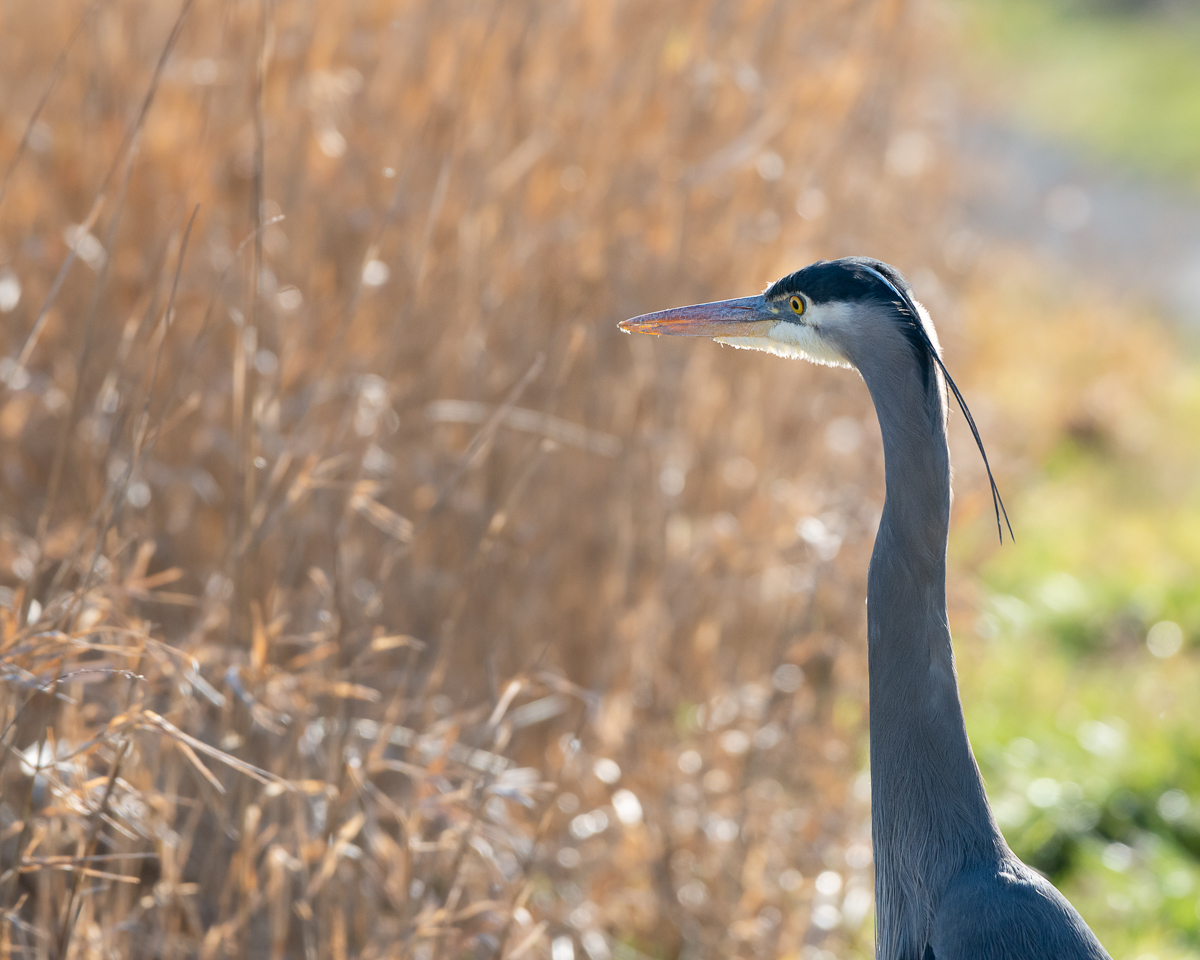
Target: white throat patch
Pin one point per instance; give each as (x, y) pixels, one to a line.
(796, 339)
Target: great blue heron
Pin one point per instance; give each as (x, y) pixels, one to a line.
(946, 884)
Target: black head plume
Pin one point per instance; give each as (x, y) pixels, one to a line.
(913, 317)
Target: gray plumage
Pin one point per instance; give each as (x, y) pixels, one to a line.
(947, 887)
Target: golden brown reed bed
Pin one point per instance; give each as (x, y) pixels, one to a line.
(365, 592)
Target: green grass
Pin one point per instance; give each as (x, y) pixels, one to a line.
(1105, 552)
(1085, 761)
(1125, 87)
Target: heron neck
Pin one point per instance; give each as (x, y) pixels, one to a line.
(929, 812)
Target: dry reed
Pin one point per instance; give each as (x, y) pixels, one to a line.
(365, 592)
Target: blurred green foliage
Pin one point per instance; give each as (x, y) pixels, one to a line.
(1110, 542)
(1093, 766)
(1117, 77)
(1080, 685)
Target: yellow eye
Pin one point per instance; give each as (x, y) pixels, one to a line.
(797, 305)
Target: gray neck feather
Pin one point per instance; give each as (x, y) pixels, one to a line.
(929, 811)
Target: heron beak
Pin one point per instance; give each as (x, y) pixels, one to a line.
(746, 317)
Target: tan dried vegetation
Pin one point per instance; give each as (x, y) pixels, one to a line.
(365, 592)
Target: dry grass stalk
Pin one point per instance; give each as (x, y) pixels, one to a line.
(408, 610)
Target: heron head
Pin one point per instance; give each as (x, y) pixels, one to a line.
(833, 312)
(854, 312)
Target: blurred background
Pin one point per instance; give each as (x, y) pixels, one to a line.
(364, 593)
